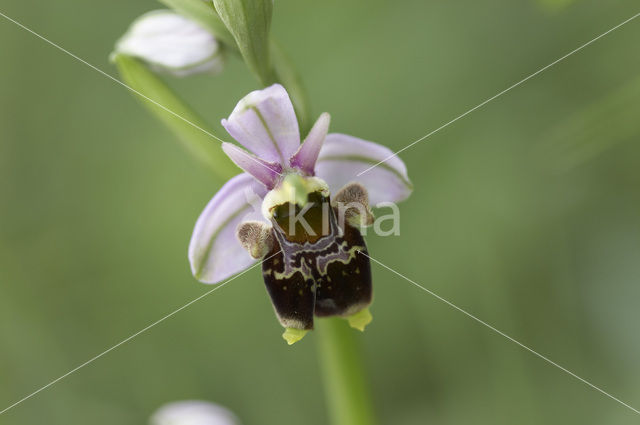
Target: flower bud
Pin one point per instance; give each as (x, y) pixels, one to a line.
(193, 412)
(171, 43)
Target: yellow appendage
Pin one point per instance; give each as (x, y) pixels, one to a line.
(292, 335)
(360, 320)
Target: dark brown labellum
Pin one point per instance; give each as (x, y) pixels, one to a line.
(324, 274)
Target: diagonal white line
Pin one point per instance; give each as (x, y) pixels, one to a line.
(112, 78)
(482, 322)
(109, 76)
(124, 341)
(502, 92)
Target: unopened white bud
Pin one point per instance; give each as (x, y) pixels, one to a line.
(171, 43)
(193, 412)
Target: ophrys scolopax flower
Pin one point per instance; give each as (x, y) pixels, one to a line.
(298, 208)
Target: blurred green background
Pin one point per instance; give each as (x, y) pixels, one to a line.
(525, 213)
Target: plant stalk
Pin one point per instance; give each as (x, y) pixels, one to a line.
(346, 389)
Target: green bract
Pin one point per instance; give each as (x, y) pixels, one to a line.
(249, 22)
(190, 128)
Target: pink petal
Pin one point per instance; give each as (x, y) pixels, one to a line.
(265, 172)
(305, 158)
(214, 252)
(265, 123)
(343, 157)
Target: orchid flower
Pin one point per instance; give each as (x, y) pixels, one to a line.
(284, 211)
(171, 43)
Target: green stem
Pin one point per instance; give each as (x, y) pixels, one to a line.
(346, 390)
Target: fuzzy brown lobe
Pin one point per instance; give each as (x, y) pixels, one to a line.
(352, 202)
(256, 237)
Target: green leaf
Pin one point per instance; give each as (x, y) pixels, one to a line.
(191, 129)
(204, 14)
(249, 22)
(595, 128)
